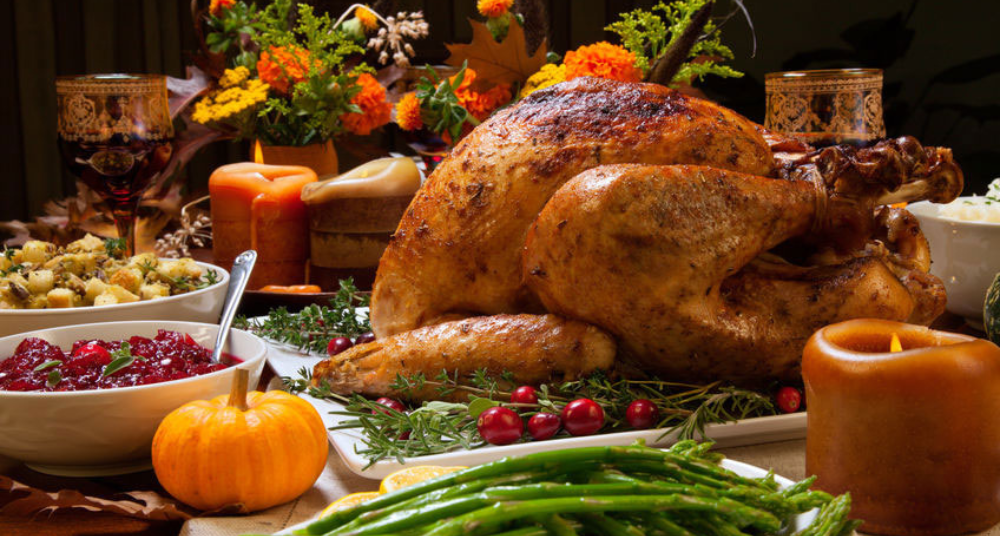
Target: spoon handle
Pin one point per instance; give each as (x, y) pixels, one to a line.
(238, 277)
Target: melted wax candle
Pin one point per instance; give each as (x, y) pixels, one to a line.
(913, 434)
(258, 206)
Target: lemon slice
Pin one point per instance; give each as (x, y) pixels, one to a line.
(348, 501)
(411, 475)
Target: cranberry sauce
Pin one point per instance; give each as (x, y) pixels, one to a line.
(95, 364)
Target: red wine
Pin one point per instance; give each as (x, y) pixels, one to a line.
(118, 170)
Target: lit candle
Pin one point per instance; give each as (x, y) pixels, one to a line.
(905, 418)
(258, 206)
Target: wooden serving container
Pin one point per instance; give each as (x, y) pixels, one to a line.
(913, 435)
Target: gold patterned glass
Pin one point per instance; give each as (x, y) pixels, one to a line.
(115, 133)
(826, 107)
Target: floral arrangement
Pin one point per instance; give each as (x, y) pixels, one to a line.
(286, 75)
(450, 107)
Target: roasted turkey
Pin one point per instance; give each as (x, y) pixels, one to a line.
(709, 248)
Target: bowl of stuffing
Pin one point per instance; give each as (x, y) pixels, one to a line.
(964, 238)
(86, 400)
(90, 280)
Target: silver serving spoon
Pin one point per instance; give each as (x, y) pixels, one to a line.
(238, 278)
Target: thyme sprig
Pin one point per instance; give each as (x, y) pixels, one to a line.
(436, 427)
(312, 328)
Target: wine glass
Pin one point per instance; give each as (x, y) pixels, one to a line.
(115, 134)
(826, 107)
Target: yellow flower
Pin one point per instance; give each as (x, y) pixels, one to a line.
(226, 102)
(494, 8)
(234, 77)
(369, 21)
(549, 75)
(408, 112)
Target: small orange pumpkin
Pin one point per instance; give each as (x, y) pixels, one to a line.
(257, 450)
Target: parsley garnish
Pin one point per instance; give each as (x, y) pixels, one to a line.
(120, 358)
(53, 378)
(47, 365)
(115, 247)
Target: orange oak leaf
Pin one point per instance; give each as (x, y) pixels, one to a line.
(506, 62)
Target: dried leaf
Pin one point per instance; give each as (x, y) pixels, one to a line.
(139, 504)
(506, 62)
(184, 90)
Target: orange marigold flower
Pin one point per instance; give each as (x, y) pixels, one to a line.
(375, 111)
(408, 112)
(602, 60)
(368, 19)
(494, 8)
(481, 105)
(282, 67)
(216, 7)
(467, 79)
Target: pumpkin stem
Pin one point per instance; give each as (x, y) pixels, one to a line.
(238, 395)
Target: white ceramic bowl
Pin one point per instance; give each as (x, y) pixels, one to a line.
(199, 306)
(109, 431)
(965, 255)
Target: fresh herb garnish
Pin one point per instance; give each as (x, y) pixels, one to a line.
(312, 328)
(437, 427)
(47, 365)
(115, 247)
(120, 358)
(17, 268)
(53, 378)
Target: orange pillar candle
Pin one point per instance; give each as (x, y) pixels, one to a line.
(913, 435)
(258, 206)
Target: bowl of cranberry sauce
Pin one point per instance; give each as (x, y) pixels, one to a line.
(86, 400)
(38, 365)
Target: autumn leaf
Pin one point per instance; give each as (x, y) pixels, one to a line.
(506, 62)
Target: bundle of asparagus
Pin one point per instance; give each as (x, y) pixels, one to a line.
(617, 491)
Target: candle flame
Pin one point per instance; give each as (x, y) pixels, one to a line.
(894, 345)
(258, 153)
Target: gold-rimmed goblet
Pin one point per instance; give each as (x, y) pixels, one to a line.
(826, 107)
(115, 133)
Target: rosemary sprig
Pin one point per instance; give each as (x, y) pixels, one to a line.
(437, 426)
(312, 328)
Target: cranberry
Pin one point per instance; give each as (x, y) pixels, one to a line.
(93, 352)
(395, 405)
(338, 345)
(582, 416)
(524, 394)
(365, 338)
(189, 341)
(500, 426)
(542, 426)
(642, 414)
(789, 399)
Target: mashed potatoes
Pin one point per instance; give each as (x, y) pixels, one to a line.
(975, 208)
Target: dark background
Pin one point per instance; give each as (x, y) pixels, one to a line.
(941, 61)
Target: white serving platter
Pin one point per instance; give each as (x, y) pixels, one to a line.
(800, 521)
(287, 361)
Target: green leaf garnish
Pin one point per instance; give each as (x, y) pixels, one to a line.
(47, 365)
(115, 247)
(120, 358)
(479, 405)
(53, 378)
